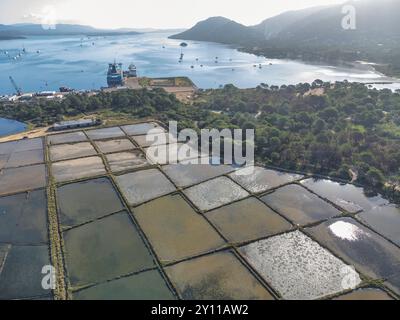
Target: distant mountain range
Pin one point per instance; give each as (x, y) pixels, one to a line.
(315, 34)
(17, 31)
(375, 20)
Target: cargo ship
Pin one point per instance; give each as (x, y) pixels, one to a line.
(115, 75)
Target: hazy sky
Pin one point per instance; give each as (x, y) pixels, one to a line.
(147, 13)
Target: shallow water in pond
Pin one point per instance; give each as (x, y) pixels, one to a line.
(261, 179)
(71, 151)
(141, 128)
(24, 158)
(296, 266)
(116, 145)
(184, 175)
(77, 169)
(147, 285)
(346, 196)
(220, 276)
(384, 220)
(71, 137)
(359, 246)
(154, 139)
(106, 133)
(299, 205)
(175, 230)
(145, 185)
(21, 145)
(22, 179)
(126, 160)
(247, 220)
(105, 249)
(215, 193)
(21, 276)
(86, 201)
(23, 218)
(365, 294)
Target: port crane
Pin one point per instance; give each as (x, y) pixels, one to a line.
(17, 89)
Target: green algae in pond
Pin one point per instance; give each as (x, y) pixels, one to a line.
(23, 218)
(261, 179)
(385, 220)
(184, 175)
(367, 251)
(175, 230)
(105, 249)
(247, 220)
(141, 128)
(299, 205)
(142, 186)
(86, 201)
(77, 169)
(67, 138)
(22, 276)
(106, 133)
(365, 294)
(346, 196)
(71, 151)
(215, 193)
(126, 160)
(21, 179)
(147, 285)
(296, 266)
(116, 145)
(220, 276)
